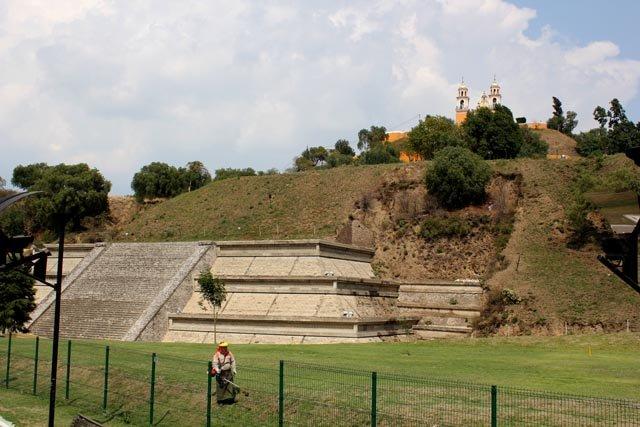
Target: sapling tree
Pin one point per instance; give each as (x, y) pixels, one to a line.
(213, 291)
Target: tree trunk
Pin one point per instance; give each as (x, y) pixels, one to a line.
(215, 321)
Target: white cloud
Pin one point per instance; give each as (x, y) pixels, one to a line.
(242, 83)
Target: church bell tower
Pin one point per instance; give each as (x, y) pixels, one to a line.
(462, 103)
(494, 93)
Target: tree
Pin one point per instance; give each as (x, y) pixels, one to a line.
(17, 301)
(26, 176)
(196, 175)
(616, 133)
(227, 173)
(557, 119)
(570, 123)
(493, 134)
(75, 191)
(302, 164)
(600, 115)
(157, 179)
(214, 292)
(371, 138)
(381, 153)
(591, 142)
(457, 177)
(315, 155)
(532, 144)
(434, 133)
(342, 147)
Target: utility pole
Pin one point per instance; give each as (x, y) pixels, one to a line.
(56, 324)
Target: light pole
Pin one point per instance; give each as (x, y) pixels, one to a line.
(10, 246)
(56, 323)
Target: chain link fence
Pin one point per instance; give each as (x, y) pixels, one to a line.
(113, 382)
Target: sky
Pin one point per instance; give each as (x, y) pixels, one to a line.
(119, 84)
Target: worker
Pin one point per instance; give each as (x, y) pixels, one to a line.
(224, 370)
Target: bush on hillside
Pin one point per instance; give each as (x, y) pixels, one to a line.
(226, 173)
(532, 144)
(381, 153)
(493, 134)
(435, 227)
(433, 134)
(160, 180)
(457, 177)
(592, 142)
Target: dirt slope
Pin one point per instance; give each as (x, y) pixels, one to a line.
(559, 143)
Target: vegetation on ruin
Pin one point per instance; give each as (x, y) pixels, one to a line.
(457, 177)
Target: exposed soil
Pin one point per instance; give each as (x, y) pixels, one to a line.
(395, 213)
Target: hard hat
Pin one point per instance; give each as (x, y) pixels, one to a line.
(223, 344)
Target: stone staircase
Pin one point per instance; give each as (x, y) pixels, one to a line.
(446, 308)
(107, 299)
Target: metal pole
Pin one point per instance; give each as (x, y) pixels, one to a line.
(152, 392)
(6, 378)
(56, 325)
(494, 406)
(210, 365)
(106, 379)
(374, 399)
(35, 367)
(281, 396)
(66, 388)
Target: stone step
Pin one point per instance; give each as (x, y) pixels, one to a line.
(441, 331)
(446, 321)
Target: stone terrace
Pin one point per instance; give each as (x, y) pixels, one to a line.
(111, 294)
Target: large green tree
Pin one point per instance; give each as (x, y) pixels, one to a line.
(157, 179)
(196, 175)
(75, 191)
(561, 122)
(457, 177)
(434, 133)
(616, 132)
(371, 138)
(17, 301)
(493, 134)
(556, 121)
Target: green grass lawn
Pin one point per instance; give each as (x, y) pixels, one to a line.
(593, 365)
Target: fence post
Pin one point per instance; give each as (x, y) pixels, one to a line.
(35, 367)
(494, 406)
(209, 366)
(152, 391)
(6, 378)
(281, 395)
(106, 379)
(66, 386)
(374, 399)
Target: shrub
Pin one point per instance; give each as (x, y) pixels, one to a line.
(437, 227)
(532, 144)
(457, 177)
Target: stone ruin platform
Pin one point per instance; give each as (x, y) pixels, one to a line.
(293, 291)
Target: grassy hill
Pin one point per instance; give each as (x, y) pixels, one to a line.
(556, 285)
(559, 143)
(287, 206)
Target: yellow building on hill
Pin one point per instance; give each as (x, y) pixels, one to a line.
(488, 101)
(398, 137)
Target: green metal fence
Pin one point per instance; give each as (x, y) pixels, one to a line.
(140, 388)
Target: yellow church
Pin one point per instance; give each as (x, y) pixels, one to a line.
(462, 109)
(489, 101)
